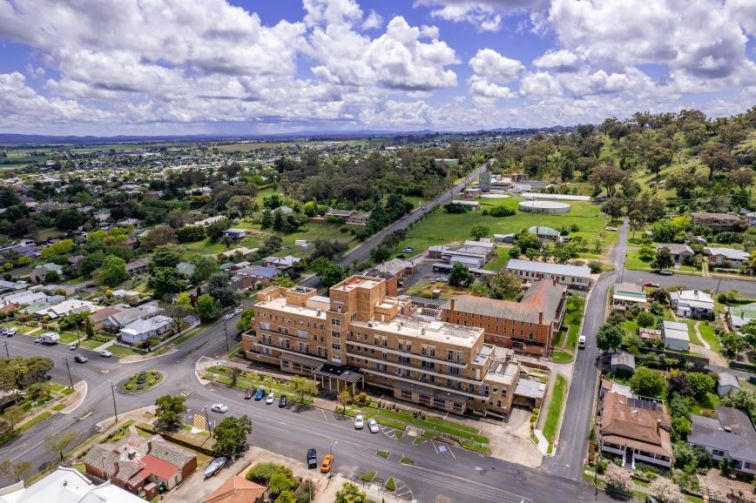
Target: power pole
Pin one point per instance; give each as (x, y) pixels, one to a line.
(225, 334)
(115, 409)
(207, 421)
(7, 353)
(68, 368)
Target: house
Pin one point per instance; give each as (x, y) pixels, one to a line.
(739, 316)
(69, 306)
(233, 233)
(97, 319)
(238, 490)
(207, 222)
(185, 269)
(117, 321)
(350, 217)
(727, 257)
(727, 383)
(692, 304)
(282, 263)
(393, 271)
(629, 294)
(39, 273)
(635, 428)
(676, 336)
(574, 276)
(720, 222)
(622, 362)
(66, 485)
(22, 298)
(142, 329)
(130, 296)
(680, 253)
(731, 435)
(545, 234)
(136, 267)
(137, 461)
(248, 277)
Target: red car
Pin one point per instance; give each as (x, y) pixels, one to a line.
(651, 284)
(249, 394)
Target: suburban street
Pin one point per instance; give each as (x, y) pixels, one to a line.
(713, 284)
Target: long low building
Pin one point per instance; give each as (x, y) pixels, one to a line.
(360, 335)
(574, 276)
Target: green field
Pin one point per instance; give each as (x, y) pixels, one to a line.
(441, 227)
(634, 263)
(502, 257)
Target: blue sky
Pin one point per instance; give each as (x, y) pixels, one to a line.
(266, 66)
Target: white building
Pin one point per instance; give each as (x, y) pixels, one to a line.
(574, 276)
(692, 304)
(727, 257)
(142, 329)
(676, 336)
(67, 307)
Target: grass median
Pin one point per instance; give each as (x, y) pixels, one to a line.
(554, 413)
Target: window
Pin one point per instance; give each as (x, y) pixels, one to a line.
(335, 321)
(406, 395)
(428, 365)
(530, 336)
(457, 407)
(439, 402)
(335, 334)
(454, 371)
(336, 346)
(425, 399)
(265, 326)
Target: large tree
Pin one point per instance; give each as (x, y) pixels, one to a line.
(304, 387)
(662, 259)
(112, 271)
(609, 337)
(219, 287)
(168, 409)
(58, 443)
(648, 382)
(607, 176)
(718, 158)
(231, 435)
(158, 236)
(207, 307)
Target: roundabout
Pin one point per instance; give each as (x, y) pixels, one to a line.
(141, 381)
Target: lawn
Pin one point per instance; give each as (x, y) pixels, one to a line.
(441, 227)
(92, 343)
(121, 351)
(205, 247)
(707, 332)
(573, 319)
(561, 356)
(555, 410)
(253, 380)
(502, 257)
(425, 289)
(692, 332)
(633, 262)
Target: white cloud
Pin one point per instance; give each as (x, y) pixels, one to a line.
(493, 66)
(331, 12)
(372, 21)
(485, 15)
(560, 61)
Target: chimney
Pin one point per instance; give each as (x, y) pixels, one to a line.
(658, 426)
(554, 280)
(451, 305)
(540, 318)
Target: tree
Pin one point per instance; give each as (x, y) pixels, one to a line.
(657, 157)
(158, 236)
(504, 286)
(718, 158)
(219, 287)
(17, 470)
(39, 391)
(88, 328)
(164, 280)
(460, 275)
(613, 207)
(245, 320)
(380, 253)
(113, 271)
(204, 267)
(190, 233)
(646, 319)
(681, 427)
(663, 259)
(215, 230)
(207, 307)
(726, 466)
(166, 256)
(59, 443)
(609, 337)
(608, 177)
(281, 482)
(648, 382)
(343, 399)
(666, 491)
(700, 384)
(231, 435)
(168, 409)
(327, 271)
(479, 231)
(350, 493)
(742, 399)
(732, 344)
(13, 415)
(304, 387)
(618, 479)
(285, 496)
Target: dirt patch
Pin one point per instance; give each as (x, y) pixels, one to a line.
(717, 484)
(511, 440)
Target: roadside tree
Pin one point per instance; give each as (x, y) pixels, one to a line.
(231, 435)
(168, 409)
(59, 443)
(304, 387)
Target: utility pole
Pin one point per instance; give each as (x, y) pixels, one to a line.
(7, 353)
(115, 409)
(68, 368)
(225, 334)
(207, 421)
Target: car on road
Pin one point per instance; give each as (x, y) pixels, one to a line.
(359, 422)
(327, 463)
(312, 458)
(10, 332)
(81, 359)
(105, 353)
(214, 466)
(282, 401)
(664, 272)
(271, 398)
(581, 342)
(219, 408)
(259, 395)
(650, 284)
(74, 346)
(238, 310)
(423, 207)
(373, 425)
(249, 394)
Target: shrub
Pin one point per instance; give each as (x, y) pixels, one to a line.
(646, 319)
(262, 473)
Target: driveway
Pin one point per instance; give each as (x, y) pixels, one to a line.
(511, 440)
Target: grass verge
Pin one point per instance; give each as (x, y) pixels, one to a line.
(554, 412)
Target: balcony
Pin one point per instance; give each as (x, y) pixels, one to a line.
(406, 354)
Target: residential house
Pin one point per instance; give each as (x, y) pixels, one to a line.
(636, 429)
(527, 326)
(69, 306)
(282, 263)
(393, 271)
(207, 222)
(720, 222)
(727, 383)
(629, 294)
(574, 276)
(136, 267)
(692, 304)
(39, 273)
(142, 329)
(251, 277)
(676, 336)
(680, 253)
(351, 217)
(22, 298)
(137, 461)
(730, 435)
(236, 234)
(729, 258)
(97, 319)
(473, 254)
(238, 490)
(739, 316)
(66, 485)
(546, 234)
(117, 321)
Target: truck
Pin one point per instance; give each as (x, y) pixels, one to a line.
(49, 338)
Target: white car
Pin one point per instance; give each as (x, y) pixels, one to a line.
(373, 425)
(220, 408)
(271, 397)
(359, 422)
(238, 311)
(105, 353)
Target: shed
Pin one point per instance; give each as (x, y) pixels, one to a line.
(676, 336)
(727, 384)
(623, 362)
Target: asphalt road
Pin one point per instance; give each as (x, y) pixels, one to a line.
(714, 285)
(573, 436)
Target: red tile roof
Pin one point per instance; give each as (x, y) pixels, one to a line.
(160, 468)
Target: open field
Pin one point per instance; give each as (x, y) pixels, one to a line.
(441, 227)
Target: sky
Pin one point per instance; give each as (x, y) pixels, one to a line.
(238, 67)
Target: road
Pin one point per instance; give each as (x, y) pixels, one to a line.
(571, 449)
(713, 284)
(455, 473)
(362, 251)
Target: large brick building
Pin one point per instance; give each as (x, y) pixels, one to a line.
(360, 335)
(527, 326)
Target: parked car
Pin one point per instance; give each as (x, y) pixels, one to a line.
(401, 255)
(359, 421)
(650, 284)
(271, 397)
(214, 466)
(10, 332)
(259, 395)
(105, 353)
(665, 272)
(249, 394)
(220, 408)
(611, 229)
(282, 401)
(581, 342)
(312, 458)
(238, 310)
(73, 346)
(37, 340)
(327, 463)
(408, 249)
(373, 425)
(81, 359)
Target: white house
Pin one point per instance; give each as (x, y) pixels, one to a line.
(676, 336)
(692, 304)
(627, 294)
(67, 307)
(731, 435)
(574, 276)
(142, 329)
(727, 257)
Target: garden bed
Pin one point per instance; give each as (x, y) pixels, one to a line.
(143, 381)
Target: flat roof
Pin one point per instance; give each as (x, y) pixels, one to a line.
(432, 331)
(546, 267)
(353, 282)
(280, 304)
(530, 388)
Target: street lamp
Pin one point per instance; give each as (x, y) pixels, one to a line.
(112, 390)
